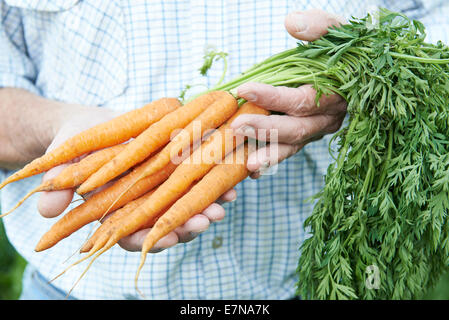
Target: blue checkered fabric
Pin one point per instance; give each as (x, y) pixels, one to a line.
(123, 54)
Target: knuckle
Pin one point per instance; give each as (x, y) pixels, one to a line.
(270, 128)
(343, 107)
(332, 20)
(331, 123)
(299, 134)
(335, 124)
(304, 101)
(274, 122)
(275, 98)
(328, 17)
(293, 150)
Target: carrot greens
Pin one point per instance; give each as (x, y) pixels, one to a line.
(379, 228)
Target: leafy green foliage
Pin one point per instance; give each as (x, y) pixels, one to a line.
(385, 200)
(386, 197)
(12, 266)
(211, 55)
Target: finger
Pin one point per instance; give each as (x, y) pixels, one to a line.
(53, 203)
(228, 196)
(270, 155)
(134, 241)
(192, 228)
(263, 158)
(311, 24)
(298, 102)
(215, 212)
(286, 129)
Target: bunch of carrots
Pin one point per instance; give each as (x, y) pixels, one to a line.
(152, 180)
(379, 69)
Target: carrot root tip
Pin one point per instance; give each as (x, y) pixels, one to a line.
(29, 194)
(136, 278)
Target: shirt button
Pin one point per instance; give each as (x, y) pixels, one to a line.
(217, 242)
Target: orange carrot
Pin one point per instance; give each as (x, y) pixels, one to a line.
(190, 170)
(129, 207)
(219, 180)
(215, 115)
(92, 245)
(75, 174)
(120, 214)
(179, 182)
(152, 139)
(110, 133)
(96, 206)
(78, 172)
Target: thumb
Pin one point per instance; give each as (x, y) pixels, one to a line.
(311, 24)
(53, 203)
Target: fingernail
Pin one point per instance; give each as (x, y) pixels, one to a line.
(264, 167)
(232, 200)
(298, 23)
(244, 91)
(246, 130)
(193, 234)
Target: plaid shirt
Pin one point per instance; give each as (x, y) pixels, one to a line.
(123, 54)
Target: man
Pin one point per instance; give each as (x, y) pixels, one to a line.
(65, 67)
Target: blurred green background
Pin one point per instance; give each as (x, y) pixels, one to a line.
(11, 269)
(12, 266)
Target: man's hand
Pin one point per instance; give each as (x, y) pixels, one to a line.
(302, 120)
(78, 118)
(302, 123)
